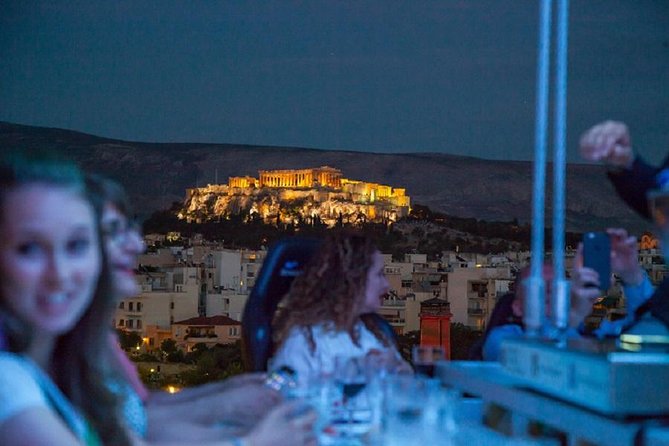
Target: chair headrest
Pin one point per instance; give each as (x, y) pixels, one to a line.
(285, 260)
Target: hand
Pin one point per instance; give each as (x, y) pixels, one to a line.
(608, 142)
(249, 402)
(244, 379)
(625, 256)
(285, 425)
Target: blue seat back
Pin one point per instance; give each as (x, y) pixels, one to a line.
(285, 260)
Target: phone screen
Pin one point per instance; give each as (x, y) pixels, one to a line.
(597, 255)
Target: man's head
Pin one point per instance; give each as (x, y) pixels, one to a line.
(518, 303)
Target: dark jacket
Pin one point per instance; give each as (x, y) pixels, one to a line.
(633, 184)
(502, 314)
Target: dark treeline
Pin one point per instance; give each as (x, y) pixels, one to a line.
(251, 232)
(510, 230)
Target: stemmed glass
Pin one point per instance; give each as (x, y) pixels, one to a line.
(350, 377)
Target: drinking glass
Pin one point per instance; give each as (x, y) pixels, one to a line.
(417, 412)
(353, 417)
(320, 392)
(424, 358)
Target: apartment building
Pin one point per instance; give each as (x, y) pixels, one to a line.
(411, 282)
(226, 302)
(236, 269)
(181, 283)
(473, 292)
(165, 296)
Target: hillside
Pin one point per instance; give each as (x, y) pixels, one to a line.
(158, 174)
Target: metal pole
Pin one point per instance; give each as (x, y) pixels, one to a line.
(534, 301)
(560, 297)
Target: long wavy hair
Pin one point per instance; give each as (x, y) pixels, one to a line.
(330, 292)
(82, 366)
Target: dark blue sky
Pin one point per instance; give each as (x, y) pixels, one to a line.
(388, 76)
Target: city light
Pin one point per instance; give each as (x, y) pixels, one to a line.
(173, 389)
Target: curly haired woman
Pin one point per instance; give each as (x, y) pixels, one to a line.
(321, 317)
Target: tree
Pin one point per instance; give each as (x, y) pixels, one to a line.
(176, 356)
(214, 364)
(168, 346)
(129, 340)
(196, 352)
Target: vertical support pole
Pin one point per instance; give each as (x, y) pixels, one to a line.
(534, 312)
(560, 295)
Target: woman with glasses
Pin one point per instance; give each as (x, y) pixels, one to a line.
(194, 414)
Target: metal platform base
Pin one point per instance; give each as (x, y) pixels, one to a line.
(593, 374)
(493, 384)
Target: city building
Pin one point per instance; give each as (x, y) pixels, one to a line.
(179, 283)
(210, 331)
(472, 293)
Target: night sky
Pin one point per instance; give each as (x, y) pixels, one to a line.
(385, 76)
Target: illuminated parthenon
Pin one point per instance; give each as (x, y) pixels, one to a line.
(296, 178)
(280, 195)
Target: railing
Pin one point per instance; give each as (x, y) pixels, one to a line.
(475, 295)
(200, 338)
(393, 303)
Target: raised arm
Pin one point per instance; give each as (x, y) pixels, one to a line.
(610, 143)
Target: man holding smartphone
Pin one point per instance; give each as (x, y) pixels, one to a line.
(646, 190)
(587, 284)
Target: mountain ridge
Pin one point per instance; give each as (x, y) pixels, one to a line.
(157, 174)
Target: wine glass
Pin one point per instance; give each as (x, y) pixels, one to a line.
(350, 377)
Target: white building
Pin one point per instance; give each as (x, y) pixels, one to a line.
(228, 303)
(164, 298)
(236, 269)
(472, 293)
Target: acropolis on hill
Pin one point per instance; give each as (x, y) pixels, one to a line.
(291, 196)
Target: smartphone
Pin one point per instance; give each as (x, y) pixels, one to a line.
(597, 255)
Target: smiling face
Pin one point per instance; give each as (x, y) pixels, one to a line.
(123, 243)
(49, 257)
(377, 285)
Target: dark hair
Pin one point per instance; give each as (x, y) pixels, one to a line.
(502, 314)
(103, 190)
(82, 363)
(329, 290)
